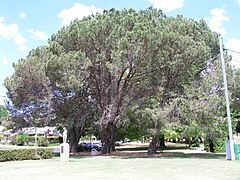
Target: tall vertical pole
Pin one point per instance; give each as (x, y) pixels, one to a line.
(227, 101)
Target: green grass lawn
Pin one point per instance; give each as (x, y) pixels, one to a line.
(180, 166)
(131, 162)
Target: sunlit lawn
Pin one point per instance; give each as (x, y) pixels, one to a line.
(178, 166)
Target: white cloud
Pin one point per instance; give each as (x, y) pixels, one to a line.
(76, 11)
(8, 31)
(39, 34)
(167, 5)
(11, 32)
(238, 2)
(20, 41)
(22, 47)
(234, 45)
(4, 61)
(217, 19)
(22, 15)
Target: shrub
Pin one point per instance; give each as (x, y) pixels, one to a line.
(45, 153)
(31, 138)
(1, 137)
(219, 145)
(171, 134)
(25, 154)
(22, 138)
(42, 141)
(53, 139)
(195, 142)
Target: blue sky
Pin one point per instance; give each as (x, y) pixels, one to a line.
(27, 24)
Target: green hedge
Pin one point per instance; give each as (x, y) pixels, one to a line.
(1, 136)
(53, 139)
(42, 141)
(25, 154)
(24, 139)
(219, 145)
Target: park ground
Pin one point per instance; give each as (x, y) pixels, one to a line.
(176, 162)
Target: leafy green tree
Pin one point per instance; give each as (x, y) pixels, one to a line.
(76, 114)
(203, 106)
(136, 125)
(234, 88)
(29, 91)
(44, 91)
(72, 101)
(113, 61)
(22, 138)
(131, 54)
(3, 115)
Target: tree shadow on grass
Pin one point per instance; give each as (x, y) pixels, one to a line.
(79, 157)
(174, 155)
(142, 148)
(141, 152)
(164, 155)
(195, 155)
(74, 156)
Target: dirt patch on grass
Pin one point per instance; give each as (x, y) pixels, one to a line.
(125, 154)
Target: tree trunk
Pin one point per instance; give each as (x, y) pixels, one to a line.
(74, 136)
(106, 148)
(110, 117)
(211, 146)
(108, 136)
(106, 142)
(113, 137)
(162, 141)
(187, 141)
(113, 147)
(152, 149)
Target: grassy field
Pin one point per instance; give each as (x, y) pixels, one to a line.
(179, 166)
(128, 163)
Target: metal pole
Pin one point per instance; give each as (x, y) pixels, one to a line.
(35, 143)
(227, 102)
